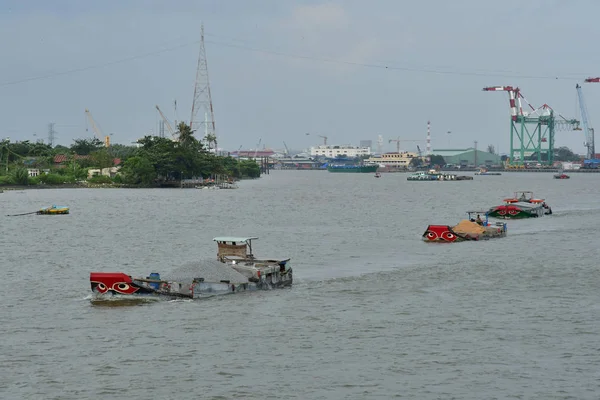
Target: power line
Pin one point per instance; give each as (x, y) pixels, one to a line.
(382, 66)
(393, 67)
(122, 60)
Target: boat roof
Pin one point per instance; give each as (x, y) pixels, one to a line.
(233, 238)
(477, 212)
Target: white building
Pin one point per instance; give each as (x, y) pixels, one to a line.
(33, 172)
(342, 151)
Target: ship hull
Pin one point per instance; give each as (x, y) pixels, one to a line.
(108, 285)
(356, 169)
(515, 211)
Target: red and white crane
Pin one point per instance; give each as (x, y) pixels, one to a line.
(514, 98)
(537, 142)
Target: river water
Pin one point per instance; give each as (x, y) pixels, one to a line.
(374, 312)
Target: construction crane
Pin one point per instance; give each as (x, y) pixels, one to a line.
(425, 159)
(399, 140)
(256, 150)
(96, 130)
(287, 151)
(167, 123)
(324, 139)
(532, 132)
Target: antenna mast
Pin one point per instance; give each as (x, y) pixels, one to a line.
(202, 97)
(51, 133)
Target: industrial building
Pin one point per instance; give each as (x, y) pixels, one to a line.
(469, 156)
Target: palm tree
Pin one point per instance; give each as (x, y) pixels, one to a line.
(185, 134)
(211, 138)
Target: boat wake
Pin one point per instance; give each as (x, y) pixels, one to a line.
(575, 212)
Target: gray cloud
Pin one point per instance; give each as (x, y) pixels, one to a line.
(440, 55)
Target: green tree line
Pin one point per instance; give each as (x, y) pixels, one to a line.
(153, 161)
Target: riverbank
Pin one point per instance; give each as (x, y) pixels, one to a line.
(86, 185)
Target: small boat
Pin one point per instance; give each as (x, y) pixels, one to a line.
(377, 175)
(521, 205)
(235, 270)
(484, 171)
(561, 175)
(53, 210)
(473, 228)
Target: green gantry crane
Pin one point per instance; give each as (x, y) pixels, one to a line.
(532, 132)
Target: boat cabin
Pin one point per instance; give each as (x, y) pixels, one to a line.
(236, 247)
(484, 221)
(474, 215)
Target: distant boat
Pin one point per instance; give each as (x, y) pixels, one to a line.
(353, 168)
(561, 175)
(377, 175)
(484, 171)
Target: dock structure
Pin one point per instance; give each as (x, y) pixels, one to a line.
(191, 183)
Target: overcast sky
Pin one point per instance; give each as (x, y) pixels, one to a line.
(280, 69)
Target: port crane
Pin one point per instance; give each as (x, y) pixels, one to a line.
(167, 123)
(532, 132)
(402, 140)
(96, 130)
(588, 130)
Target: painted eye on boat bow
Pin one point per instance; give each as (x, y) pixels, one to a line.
(101, 287)
(431, 235)
(449, 236)
(121, 287)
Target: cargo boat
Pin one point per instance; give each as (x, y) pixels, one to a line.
(521, 205)
(237, 271)
(561, 176)
(370, 168)
(473, 228)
